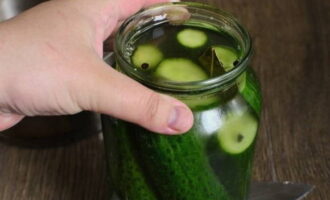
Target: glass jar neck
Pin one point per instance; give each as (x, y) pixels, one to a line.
(200, 15)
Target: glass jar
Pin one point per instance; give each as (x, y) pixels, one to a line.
(213, 160)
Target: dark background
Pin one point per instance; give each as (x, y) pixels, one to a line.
(291, 41)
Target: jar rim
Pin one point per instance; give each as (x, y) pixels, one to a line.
(193, 86)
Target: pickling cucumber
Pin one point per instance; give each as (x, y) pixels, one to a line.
(147, 56)
(233, 171)
(237, 133)
(121, 170)
(227, 56)
(201, 102)
(176, 166)
(251, 91)
(180, 70)
(192, 38)
(241, 82)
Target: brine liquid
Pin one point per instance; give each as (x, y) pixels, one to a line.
(164, 37)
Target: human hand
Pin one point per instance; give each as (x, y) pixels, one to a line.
(51, 64)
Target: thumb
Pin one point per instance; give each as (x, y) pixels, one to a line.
(8, 120)
(115, 94)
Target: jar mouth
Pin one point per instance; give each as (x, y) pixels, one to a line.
(218, 19)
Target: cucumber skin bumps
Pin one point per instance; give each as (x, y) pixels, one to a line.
(213, 160)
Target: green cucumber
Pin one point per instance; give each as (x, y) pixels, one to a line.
(251, 91)
(237, 133)
(126, 175)
(147, 56)
(234, 171)
(180, 70)
(192, 38)
(241, 82)
(182, 169)
(227, 56)
(201, 102)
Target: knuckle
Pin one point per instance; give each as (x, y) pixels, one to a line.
(151, 107)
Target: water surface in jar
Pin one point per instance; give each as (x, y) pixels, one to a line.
(167, 43)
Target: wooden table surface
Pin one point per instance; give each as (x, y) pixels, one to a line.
(292, 59)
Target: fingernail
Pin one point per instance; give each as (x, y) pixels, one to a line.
(180, 120)
(8, 120)
(177, 15)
